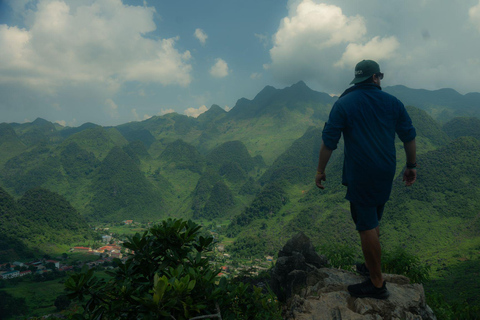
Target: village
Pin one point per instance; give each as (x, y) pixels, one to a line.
(111, 248)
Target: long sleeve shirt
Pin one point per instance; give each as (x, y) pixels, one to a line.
(368, 118)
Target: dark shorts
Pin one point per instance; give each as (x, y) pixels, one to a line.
(366, 218)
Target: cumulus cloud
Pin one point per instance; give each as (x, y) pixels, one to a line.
(101, 41)
(63, 123)
(255, 75)
(474, 15)
(219, 69)
(321, 41)
(310, 38)
(195, 112)
(201, 36)
(165, 111)
(111, 108)
(262, 38)
(376, 49)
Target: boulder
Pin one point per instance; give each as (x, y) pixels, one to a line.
(295, 261)
(311, 291)
(326, 298)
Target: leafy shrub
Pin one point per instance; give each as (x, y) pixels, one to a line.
(399, 261)
(339, 255)
(169, 276)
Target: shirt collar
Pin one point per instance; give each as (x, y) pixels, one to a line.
(361, 86)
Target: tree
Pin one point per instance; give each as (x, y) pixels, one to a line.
(169, 276)
(62, 302)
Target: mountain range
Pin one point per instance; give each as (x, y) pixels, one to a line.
(250, 170)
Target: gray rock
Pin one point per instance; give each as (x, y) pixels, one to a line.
(295, 261)
(312, 292)
(326, 298)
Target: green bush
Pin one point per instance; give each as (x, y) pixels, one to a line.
(339, 255)
(169, 276)
(400, 261)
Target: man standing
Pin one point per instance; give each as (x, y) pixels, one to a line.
(368, 119)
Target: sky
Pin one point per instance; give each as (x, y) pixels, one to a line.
(114, 61)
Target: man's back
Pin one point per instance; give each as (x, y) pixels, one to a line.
(368, 118)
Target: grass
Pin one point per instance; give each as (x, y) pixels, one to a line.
(39, 296)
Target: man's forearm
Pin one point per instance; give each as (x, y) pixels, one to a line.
(411, 151)
(323, 158)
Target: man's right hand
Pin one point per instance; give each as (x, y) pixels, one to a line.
(319, 178)
(409, 176)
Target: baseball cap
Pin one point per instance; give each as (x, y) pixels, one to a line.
(364, 70)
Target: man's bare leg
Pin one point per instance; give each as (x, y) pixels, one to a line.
(372, 252)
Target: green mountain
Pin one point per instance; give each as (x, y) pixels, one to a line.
(231, 152)
(463, 127)
(442, 104)
(38, 131)
(10, 143)
(97, 140)
(182, 155)
(250, 169)
(39, 221)
(121, 191)
(275, 102)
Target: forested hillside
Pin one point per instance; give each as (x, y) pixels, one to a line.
(249, 170)
(40, 218)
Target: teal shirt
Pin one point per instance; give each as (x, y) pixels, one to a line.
(368, 119)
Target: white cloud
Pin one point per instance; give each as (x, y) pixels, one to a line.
(321, 41)
(201, 36)
(376, 49)
(100, 41)
(165, 111)
(310, 39)
(474, 15)
(262, 38)
(63, 123)
(111, 108)
(227, 108)
(219, 69)
(135, 114)
(195, 112)
(255, 75)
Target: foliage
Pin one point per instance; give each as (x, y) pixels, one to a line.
(296, 163)
(265, 205)
(451, 311)
(249, 246)
(228, 152)
(39, 216)
(10, 306)
(121, 188)
(400, 261)
(340, 256)
(169, 275)
(77, 162)
(182, 155)
(62, 302)
(462, 127)
(220, 201)
(233, 172)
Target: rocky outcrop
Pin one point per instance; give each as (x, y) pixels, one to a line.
(295, 261)
(312, 292)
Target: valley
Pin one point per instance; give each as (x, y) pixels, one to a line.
(246, 175)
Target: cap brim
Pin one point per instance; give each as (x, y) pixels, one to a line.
(357, 80)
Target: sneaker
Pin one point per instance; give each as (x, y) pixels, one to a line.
(368, 290)
(362, 269)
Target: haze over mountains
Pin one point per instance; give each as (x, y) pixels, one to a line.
(251, 167)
